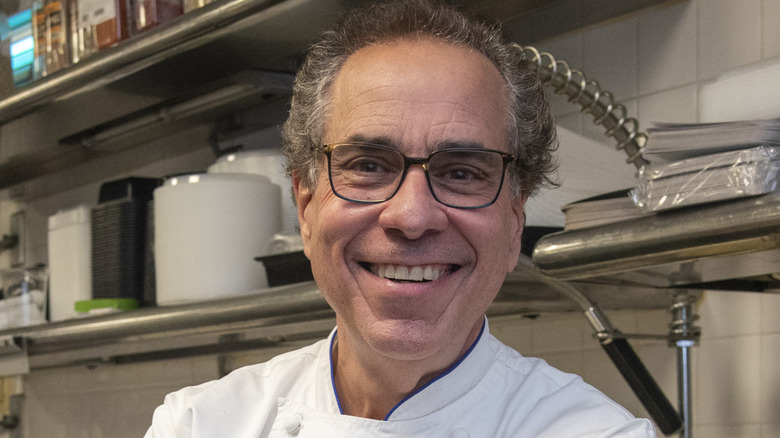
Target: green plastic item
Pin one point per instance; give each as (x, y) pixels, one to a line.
(87, 306)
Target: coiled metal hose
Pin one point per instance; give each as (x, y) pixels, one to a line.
(594, 101)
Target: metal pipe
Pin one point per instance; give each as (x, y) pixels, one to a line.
(735, 228)
(283, 304)
(684, 334)
(684, 386)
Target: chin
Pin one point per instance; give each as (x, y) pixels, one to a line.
(407, 339)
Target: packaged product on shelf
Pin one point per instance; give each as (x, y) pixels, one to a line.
(21, 44)
(150, 13)
(102, 24)
(6, 77)
(39, 31)
(73, 31)
(56, 36)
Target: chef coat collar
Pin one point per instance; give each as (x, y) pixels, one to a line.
(453, 383)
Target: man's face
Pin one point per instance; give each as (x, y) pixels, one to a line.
(418, 96)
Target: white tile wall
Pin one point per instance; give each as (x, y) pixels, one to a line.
(106, 401)
(729, 35)
(729, 384)
(622, 39)
(673, 105)
(770, 31)
(769, 393)
(667, 47)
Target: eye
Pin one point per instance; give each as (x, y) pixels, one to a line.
(366, 165)
(460, 174)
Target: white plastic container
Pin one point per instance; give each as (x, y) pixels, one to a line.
(268, 162)
(70, 265)
(208, 230)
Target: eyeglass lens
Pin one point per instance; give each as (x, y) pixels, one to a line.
(368, 173)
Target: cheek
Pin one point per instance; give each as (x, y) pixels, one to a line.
(499, 241)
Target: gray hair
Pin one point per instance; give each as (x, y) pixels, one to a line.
(531, 128)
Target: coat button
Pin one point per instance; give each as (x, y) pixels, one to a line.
(460, 433)
(292, 424)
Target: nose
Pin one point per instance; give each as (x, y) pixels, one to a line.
(413, 211)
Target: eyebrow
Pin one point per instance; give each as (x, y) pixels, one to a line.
(443, 145)
(451, 144)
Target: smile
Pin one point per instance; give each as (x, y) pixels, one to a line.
(409, 273)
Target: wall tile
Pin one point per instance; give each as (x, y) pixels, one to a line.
(770, 379)
(573, 122)
(677, 105)
(770, 313)
(610, 57)
(556, 333)
(60, 416)
(513, 331)
(729, 35)
(729, 314)
(653, 321)
(770, 431)
(125, 414)
(667, 47)
(727, 382)
(730, 431)
(770, 31)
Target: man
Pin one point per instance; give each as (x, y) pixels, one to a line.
(415, 137)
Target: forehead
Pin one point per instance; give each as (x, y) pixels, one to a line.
(418, 94)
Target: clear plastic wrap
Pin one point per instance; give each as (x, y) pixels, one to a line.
(708, 178)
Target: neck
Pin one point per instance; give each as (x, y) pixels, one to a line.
(370, 387)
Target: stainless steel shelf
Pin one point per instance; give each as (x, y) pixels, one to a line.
(730, 246)
(195, 55)
(185, 34)
(260, 319)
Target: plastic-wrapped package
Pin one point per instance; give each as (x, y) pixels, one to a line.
(708, 178)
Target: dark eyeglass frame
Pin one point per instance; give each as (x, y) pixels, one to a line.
(327, 149)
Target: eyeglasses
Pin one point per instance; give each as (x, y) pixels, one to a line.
(465, 178)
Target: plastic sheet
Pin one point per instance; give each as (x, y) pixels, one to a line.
(708, 178)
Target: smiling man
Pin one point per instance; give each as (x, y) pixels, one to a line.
(415, 136)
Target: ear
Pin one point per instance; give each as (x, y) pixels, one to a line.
(303, 198)
(518, 218)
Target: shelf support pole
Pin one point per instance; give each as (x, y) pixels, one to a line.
(684, 335)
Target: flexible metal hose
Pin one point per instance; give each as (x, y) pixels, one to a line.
(601, 104)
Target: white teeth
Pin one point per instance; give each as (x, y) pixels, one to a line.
(407, 273)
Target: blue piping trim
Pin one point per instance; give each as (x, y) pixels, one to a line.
(332, 373)
(387, 417)
(441, 376)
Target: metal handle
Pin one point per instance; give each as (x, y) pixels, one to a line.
(642, 383)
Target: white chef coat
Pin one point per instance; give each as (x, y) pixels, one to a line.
(492, 392)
